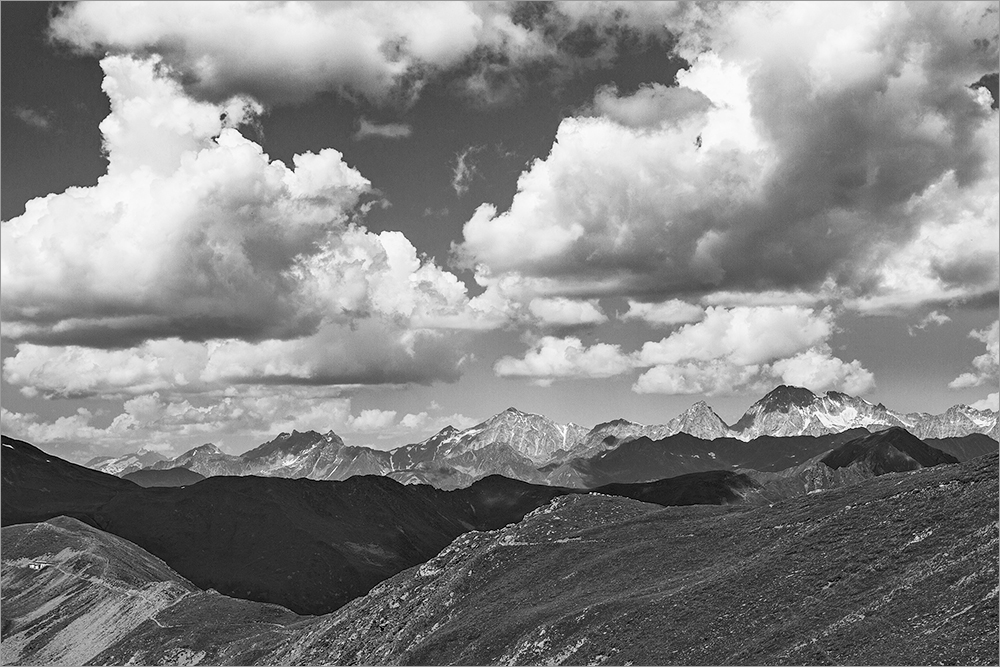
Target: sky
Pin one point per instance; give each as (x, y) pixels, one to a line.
(222, 220)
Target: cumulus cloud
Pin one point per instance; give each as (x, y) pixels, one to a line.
(367, 128)
(371, 419)
(750, 348)
(414, 422)
(742, 336)
(727, 350)
(667, 313)
(840, 149)
(197, 261)
(385, 54)
(711, 377)
(552, 358)
(192, 232)
(991, 402)
(299, 49)
(561, 312)
(818, 370)
(987, 365)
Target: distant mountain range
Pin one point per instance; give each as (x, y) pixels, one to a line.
(535, 449)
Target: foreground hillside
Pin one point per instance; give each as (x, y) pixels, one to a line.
(71, 591)
(899, 569)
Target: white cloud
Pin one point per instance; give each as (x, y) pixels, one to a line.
(729, 350)
(367, 128)
(414, 422)
(298, 49)
(371, 420)
(370, 351)
(667, 313)
(191, 229)
(743, 336)
(464, 170)
(818, 370)
(933, 317)
(711, 377)
(760, 196)
(561, 312)
(552, 358)
(991, 402)
(205, 263)
(386, 52)
(748, 349)
(986, 365)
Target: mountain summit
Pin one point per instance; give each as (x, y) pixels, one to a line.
(789, 411)
(533, 436)
(700, 421)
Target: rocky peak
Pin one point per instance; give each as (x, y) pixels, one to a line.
(513, 414)
(701, 421)
(700, 409)
(204, 450)
(292, 443)
(614, 423)
(784, 397)
(531, 435)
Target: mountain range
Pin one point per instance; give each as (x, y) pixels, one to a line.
(535, 449)
(314, 545)
(895, 569)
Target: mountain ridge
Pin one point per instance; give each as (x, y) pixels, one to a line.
(452, 458)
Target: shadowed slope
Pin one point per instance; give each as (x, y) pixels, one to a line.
(892, 450)
(308, 545)
(643, 460)
(967, 447)
(169, 477)
(38, 486)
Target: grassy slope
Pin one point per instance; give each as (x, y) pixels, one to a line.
(900, 569)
